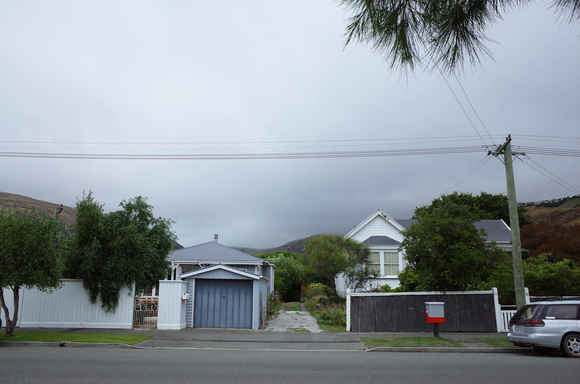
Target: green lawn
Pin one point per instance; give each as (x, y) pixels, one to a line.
(78, 337)
(373, 342)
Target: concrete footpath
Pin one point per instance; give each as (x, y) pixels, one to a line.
(236, 339)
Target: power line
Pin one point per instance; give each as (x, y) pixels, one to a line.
(551, 176)
(249, 156)
(473, 170)
(473, 108)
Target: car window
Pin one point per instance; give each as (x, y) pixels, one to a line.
(562, 311)
(526, 312)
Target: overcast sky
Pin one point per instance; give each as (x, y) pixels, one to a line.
(266, 78)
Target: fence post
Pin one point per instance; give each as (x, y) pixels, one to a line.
(497, 308)
(348, 310)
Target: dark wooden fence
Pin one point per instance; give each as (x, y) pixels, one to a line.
(464, 312)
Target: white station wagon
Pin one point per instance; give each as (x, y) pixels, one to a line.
(547, 326)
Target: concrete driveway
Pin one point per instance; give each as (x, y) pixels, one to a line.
(292, 321)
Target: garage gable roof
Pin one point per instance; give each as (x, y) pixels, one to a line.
(227, 268)
(213, 253)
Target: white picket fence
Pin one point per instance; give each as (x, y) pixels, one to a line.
(503, 326)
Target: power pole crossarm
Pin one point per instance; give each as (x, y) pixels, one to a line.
(506, 150)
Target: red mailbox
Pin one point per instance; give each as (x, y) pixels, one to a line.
(435, 312)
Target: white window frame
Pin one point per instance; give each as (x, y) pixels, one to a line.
(382, 261)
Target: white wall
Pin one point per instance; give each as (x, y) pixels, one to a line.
(70, 307)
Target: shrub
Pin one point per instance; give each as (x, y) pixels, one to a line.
(334, 314)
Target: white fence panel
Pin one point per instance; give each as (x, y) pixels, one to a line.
(172, 304)
(70, 307)
(505, 316)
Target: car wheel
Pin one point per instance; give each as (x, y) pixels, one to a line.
(544, 350)
(571, 345)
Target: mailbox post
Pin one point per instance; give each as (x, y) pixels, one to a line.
(435, 314)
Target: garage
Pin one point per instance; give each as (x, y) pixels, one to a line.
(222, 296)
(223, 303)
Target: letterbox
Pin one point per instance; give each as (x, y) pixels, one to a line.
(435, 312)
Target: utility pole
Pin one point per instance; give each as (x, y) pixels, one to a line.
(506, 150)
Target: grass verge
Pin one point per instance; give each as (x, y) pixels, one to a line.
(331, 328)
(494, 342)
(78, 337)
(372, 342)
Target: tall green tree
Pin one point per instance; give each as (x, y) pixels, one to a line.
(289, 275)
(329, 255)
(441, 34)
(484, 206)
(116, 249)
(542, 277)
(29, 256)
(446, 252)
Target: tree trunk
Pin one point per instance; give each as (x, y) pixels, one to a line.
(10, 324)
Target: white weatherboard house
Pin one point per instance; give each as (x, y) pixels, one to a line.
(383, 235)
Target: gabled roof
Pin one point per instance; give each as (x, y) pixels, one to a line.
(213, 253)
(381, 240)
(376, 213)
(227, 268)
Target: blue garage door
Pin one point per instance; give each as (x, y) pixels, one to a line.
(223, 304)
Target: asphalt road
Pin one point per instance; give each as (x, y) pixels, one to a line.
(47, 365)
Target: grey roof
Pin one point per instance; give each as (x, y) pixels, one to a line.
(381, 240)
(406, 223)
(496, 230)
(213, 252)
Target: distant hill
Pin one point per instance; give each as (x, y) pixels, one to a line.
(10, 200)
(296, 246)
(563, 211)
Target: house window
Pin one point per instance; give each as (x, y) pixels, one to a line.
(374, 263)
(391, 260)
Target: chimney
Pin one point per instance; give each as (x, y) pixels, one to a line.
(215, 238)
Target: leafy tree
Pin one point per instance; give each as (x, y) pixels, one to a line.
(289, 273)
(112, 250)
(330, 255)
(485, 206)
(29, 255)
(445, 252)
(542, 277)
(434, 33)
(560, 241)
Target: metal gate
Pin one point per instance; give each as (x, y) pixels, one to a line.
(145, 312)
(223, 303)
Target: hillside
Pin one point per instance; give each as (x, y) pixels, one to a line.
(295, 246)
(567, 212)
(10, 200)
